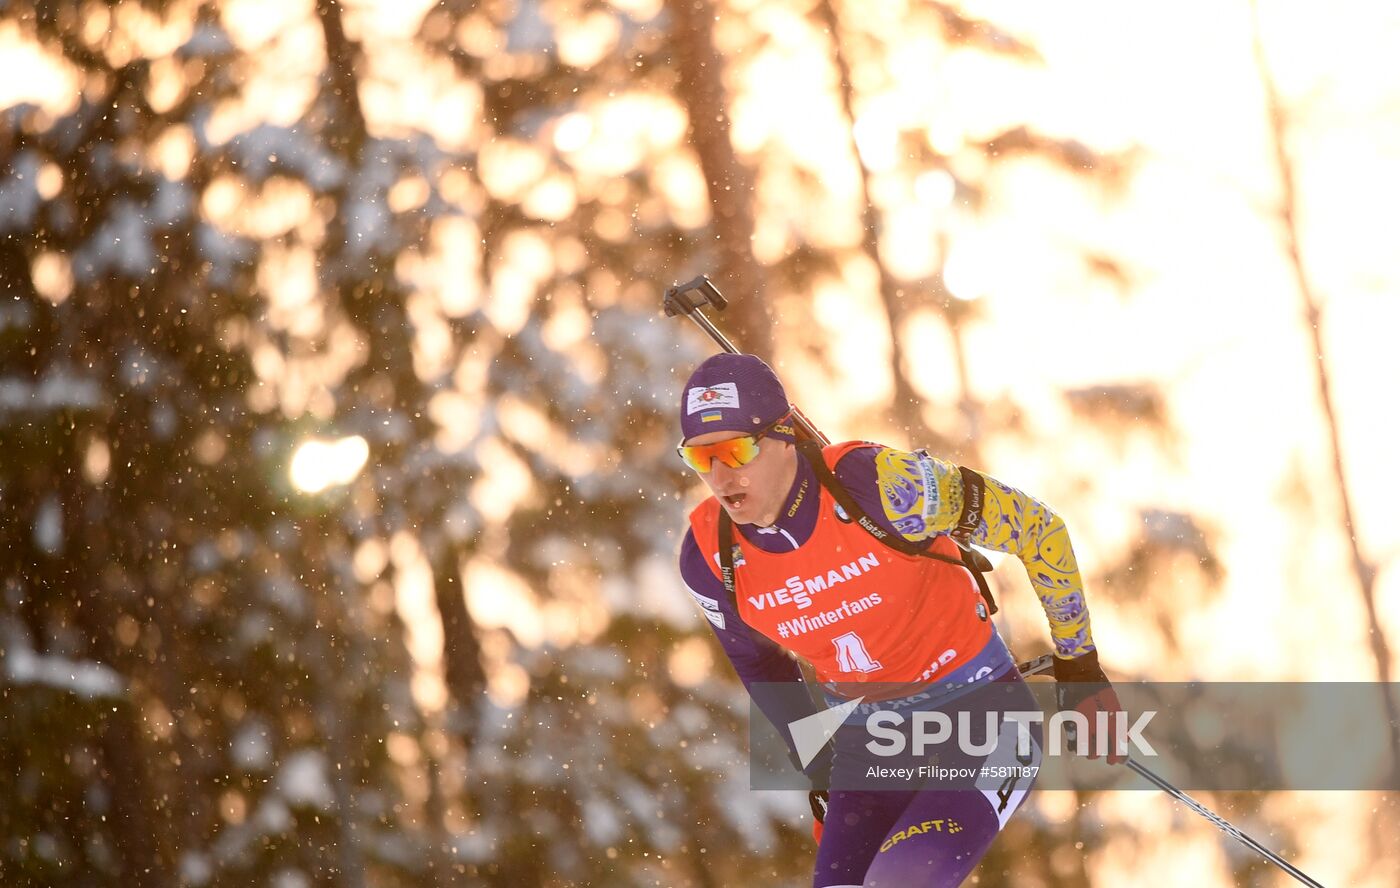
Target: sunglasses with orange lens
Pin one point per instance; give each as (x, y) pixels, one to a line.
(734, 452)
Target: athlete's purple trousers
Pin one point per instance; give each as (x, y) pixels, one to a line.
(892, 838)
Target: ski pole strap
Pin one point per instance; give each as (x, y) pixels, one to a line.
(974, 562)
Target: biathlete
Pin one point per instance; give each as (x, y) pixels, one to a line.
(846, 556)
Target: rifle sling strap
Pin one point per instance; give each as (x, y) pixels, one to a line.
(973, 561)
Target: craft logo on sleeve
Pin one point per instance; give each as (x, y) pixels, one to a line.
(714, 397)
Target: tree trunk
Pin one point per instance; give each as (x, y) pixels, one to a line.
(363, 298)
(1362, 568)
(142, 820)
(730, 183)
(466, 680)
(907, 408)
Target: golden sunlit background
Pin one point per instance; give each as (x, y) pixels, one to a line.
(340, 510)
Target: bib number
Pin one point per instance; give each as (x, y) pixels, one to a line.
(851, 654)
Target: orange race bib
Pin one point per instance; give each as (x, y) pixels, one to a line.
(854, 608)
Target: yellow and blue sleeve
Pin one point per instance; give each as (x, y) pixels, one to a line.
(922, 496)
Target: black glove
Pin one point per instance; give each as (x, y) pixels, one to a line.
(1081, 685)
(819, 801)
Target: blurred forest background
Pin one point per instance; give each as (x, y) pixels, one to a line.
(338, 508)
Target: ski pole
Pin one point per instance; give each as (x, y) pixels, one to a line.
(1223, 825)
(1046, 662)
(688, 298)
(1043, 663)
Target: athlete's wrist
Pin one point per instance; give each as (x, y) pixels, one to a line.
(1083, 668)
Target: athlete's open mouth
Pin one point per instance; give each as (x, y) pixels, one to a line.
(734, 501)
